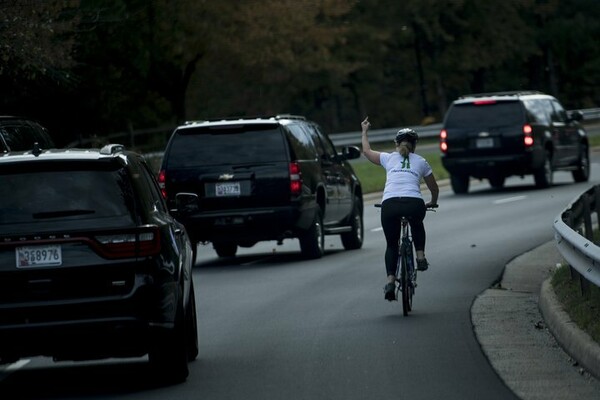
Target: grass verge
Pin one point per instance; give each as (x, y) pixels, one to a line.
(584, 311)
(372, 177)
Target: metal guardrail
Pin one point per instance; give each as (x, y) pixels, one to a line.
(428, 131)
(574, 235)
(134, 138)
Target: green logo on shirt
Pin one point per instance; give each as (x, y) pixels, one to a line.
(406, 163)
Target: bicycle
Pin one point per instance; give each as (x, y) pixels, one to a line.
(407, 280)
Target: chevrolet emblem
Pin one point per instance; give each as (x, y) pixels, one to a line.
(225, 177)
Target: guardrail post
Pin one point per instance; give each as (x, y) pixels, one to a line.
(597, 203)
(589, 235)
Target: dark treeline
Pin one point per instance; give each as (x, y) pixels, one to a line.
(93, 67)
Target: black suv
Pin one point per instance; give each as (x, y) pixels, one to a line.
(19, 134)
(92, 264)
(247, 180)
(496, 135)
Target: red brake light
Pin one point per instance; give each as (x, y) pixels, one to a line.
(295, 179)
(528, 138)
(140, 243)
(484, 102)
(443, 143)
(161, 183)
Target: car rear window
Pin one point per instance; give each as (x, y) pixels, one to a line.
(53, 195)
(237, 144)
(502, 113)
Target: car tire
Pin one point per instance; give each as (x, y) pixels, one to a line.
(225, 249)
(543, 175)
(192, 326)
(353, 240)
(168, 355)
(497, 182)
(312, 242)
(459, 183)
(582, 173)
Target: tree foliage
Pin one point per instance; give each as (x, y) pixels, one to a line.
(98, 66)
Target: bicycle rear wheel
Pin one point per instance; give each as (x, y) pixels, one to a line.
(405, 285)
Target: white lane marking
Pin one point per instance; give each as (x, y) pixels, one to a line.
(509, 199)
(17, 365)
(376, 229)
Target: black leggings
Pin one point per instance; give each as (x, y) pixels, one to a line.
(392, 210)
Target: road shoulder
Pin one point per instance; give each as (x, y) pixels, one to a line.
(513, 334)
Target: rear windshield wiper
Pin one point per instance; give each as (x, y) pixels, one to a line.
(63, 213)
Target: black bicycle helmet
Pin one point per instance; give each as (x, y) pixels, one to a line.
(409, 135)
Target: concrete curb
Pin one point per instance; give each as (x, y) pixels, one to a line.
(577, 343)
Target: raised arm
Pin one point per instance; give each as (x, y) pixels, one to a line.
(371, 155)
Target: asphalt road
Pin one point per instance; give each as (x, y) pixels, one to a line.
(275, 326)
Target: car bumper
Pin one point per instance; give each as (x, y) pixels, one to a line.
(249, 225)
(499, 165)
(119, 325)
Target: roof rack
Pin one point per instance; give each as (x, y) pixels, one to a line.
(507, 93)
(242, 118)
(112, 149)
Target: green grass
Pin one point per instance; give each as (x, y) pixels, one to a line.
(372, 177)
(583, 310)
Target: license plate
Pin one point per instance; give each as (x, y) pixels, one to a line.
(484, 143)
(227, 189)
(38, 256)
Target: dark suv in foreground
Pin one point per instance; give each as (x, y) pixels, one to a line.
(496, 135)
(242, 181)
(92, 265)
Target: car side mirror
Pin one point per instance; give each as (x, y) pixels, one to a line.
(576, 115)
(187, 203)
(351, 152)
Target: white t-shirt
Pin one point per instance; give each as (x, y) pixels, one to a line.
(403, 176)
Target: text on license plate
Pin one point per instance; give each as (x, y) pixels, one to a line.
(227, 189)
(483, 143)
(38, 256)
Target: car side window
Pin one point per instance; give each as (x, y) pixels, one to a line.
(325, 148)
(559, 114)
(152, 185)
(301, 143)
(537, 111)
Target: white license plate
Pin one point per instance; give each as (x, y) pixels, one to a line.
(227, 189)
(484, 143)
(38, 256)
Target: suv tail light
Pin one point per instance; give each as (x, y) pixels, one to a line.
(443, 141)
(528, 135)
(295, 179)
(162, 179)
(142, 242)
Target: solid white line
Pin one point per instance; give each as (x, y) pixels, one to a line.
(376, 229)
(17, 365)
(510, 199)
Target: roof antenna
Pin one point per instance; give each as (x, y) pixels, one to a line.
(36, 149)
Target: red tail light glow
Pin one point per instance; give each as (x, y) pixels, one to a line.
(295, 179)
(443, 142)
(162, 179)
(484, 102)
(140, 243)
(528, 135)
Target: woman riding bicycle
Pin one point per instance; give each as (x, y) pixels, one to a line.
(402, 197)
